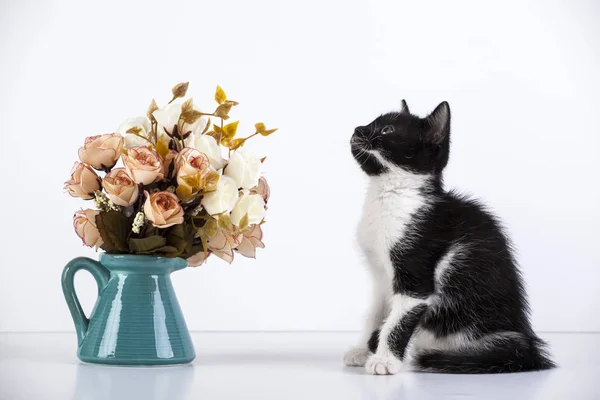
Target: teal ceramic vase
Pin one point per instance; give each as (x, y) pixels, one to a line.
(137, 320)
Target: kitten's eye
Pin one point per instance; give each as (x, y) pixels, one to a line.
(387, 129)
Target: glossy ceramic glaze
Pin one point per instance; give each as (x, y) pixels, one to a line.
(137, 319)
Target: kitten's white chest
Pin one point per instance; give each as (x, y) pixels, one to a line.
(389, 208)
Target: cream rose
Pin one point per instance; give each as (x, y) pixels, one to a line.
(120, 188)
(143, 165)
(101, 152)
(84, 223)
(163, 209)
(189, 163)
(131, 140)
(223, 199)
(168, 120)
(251, 204)
(83, 183)
(244, 169)
(208, 145)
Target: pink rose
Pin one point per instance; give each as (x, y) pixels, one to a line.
(101, 152)
(120, 188)
(163, 209)
(143, 165)
(223, 244)
(84, 223)
(83, 183)
(198, 259)
(263, 189)
(190, 163)
(251, 240)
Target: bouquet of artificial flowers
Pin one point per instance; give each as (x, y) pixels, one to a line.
(176, 195)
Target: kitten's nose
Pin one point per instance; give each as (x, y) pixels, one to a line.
(360, 130)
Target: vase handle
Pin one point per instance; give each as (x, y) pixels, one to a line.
(100, 274)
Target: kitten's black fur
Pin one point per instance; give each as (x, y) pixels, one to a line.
(483, 292)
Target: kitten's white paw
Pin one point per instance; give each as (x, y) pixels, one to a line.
(357, 356)
(383, 365)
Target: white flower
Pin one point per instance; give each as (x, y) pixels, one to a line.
(244, 168)
(138, 222)
(208, 145)
(168, 118)
(223, 199)
(141, 123)
(251, 204)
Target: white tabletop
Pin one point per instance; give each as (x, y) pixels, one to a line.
(277, 366)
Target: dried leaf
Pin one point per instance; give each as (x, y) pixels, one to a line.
(206, 127)
(214, 134)
(210, 181)
(184, 193)
(162, 147)
(153, 107)
(227, 142)
(210, 228)
(194, 182)
(189, 117)
(187, 106)
(224, 222)
(237, 143)
(268, 132)
(218, 129)
(179, 90)
(204, 245)
(262, 160)
(222, 111)
(220, 96)
(135, 130)
(230, 130)
(260, 127)
(244, 222)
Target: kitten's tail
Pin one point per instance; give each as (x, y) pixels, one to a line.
(508, 352)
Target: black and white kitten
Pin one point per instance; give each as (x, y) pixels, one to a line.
(448, 293)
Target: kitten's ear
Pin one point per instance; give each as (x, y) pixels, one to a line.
(439, 123)
(404, 109)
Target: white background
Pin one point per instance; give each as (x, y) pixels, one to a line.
(521, 78)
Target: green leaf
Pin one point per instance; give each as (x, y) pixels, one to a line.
(180, 237)
(167, 251)
(147, 245)
(114, 228)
